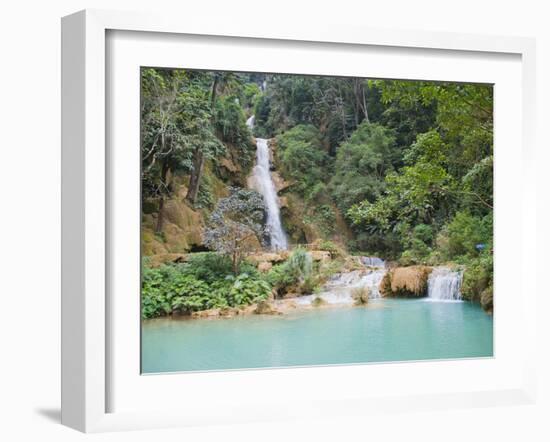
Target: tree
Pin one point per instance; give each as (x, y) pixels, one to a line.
(361, 164)
(236, 226)
(176, 121)
(221, 81)
(302, 157)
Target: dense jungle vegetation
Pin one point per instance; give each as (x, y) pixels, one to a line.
(397, 169)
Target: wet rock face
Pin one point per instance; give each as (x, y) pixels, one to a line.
(486, 299)
(406, 281)
(260, 257)
(167, 258)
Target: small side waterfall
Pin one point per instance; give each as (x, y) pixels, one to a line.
(263, 183)
(250, 122)
(339, 289)
(444, 285)
(372, 261)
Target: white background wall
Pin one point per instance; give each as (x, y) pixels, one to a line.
(30, 215)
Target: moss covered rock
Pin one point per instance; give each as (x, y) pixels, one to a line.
(406, 281)
(486, 299)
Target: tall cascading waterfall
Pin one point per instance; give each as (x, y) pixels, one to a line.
(444, 285)
(263, 183)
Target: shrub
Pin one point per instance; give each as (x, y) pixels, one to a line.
(167, 288)
(208, 266)
(203, 283)
(463, 233)
(317, 193)
(478, 277)
(303, 158)
(329, 246)
(360, 295)
(247, 290)
(294, 274)
(318, 302)
(423, 233)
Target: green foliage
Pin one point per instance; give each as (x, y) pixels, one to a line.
(249, 95)
(175, 121)
(302, 158)
(460, 237)
(329, 246)
(230, 123)
(417, 245)
(409, 165)
(262, 126)
(208, 266)
(168, 288)
(248, 289)
(205, 197)
(206, 281)
(361, 165)
(294, 274)
(478, 277)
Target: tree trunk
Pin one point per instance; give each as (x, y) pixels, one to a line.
(198, 156)
(160, 217)
(235, 263)
(213, 95)
(196, 176)
(344, 132)
(365, 104)
(357, 102)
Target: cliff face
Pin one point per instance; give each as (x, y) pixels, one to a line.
(183, 225)
(182, 229)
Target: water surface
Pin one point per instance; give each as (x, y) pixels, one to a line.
(387, 330)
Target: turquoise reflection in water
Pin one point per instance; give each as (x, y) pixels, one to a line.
(387, 330)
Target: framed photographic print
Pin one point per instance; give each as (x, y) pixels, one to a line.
(278, 223)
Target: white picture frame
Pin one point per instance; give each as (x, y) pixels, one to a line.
(87, 209)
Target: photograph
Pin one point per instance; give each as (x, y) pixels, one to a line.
(300, 220)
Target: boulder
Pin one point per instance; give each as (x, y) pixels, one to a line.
(265, 266)
(257, 258)
(320, 255)
(165, 258)
(265, 308)
(279, 182)
(212, 313)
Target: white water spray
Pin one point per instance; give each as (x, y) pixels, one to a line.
(372, 261)
(339, 289)
(263, 183)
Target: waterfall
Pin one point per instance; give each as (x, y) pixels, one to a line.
(263, 183)
(372, 280)
(250, 122)
(339, 289)
(444, 285)
(372, 261)
(266, 187)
